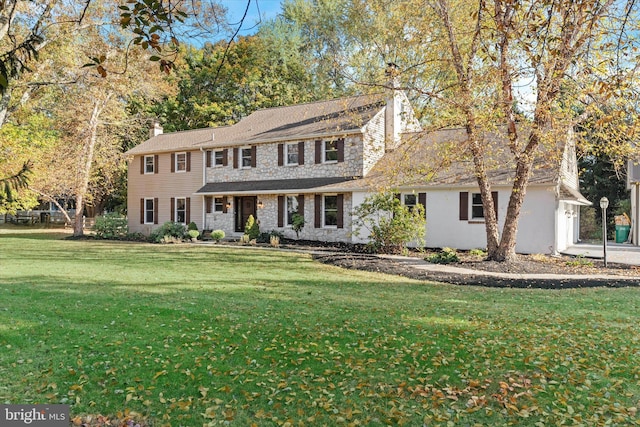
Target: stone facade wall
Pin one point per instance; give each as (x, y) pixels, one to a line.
(268, 220)
(267, 164)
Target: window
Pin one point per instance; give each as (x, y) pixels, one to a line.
(330, 151)
(330, 211)
(181, 162)
(149, 210)
(245, 155)
(218, 204)
(181, 210)
(477, 211)
(410, 201)
(292, 154)
(149, 164)
(292, 208)
(219, 158)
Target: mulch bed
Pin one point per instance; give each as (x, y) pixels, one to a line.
(619, 275)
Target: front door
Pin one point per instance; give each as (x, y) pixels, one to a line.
(245, 206)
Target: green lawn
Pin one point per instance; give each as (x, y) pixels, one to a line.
(190, 335)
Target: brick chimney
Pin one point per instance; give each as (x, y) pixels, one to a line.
(393, 109)
(156, 129)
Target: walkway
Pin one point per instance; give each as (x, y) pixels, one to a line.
(621, 253)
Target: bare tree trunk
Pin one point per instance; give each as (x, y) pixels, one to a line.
(85, 162)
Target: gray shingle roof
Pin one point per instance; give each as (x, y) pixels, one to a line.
(280, 123)
(272, 186)
(441, 159)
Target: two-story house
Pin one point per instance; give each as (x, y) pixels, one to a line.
(322, 159)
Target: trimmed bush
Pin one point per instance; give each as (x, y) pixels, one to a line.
(111, 226)
(192, 226)
(252, 228)
(193, 234)
(169, 229)
(445, 256)
(217, 235)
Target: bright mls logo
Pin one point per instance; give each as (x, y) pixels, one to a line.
(34, 415)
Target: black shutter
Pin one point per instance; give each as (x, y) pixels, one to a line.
(422, 199)
(188, 209)
(318, 152)
(494, 196)
(142, 165)
(208, 202)
(280, 154)
(173, 209)
(464, 206)
(318, 211)
(173, 162)
(340, 219)
(254, 152)
(141, 211)
(155, 210)
(188, 161)
(208, 156)
(235, 158)
(225, 157)
(224, 205)
(301, 153)
(281, 208)
(301, 204)
(155, 163)
(340, 145)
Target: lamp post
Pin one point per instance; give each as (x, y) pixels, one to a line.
(604, 204)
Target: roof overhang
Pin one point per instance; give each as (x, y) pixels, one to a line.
(571, 196)
(273, 186)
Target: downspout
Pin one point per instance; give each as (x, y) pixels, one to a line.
(204, 179)
(554, 249)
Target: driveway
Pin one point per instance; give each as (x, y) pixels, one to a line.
(622, 253)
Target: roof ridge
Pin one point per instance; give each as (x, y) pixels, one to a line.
(315, 102)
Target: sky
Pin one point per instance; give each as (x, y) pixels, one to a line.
(258, 10)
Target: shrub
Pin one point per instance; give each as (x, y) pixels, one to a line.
(445, 256)
(390, 224)
(478, 252)
(168, 229)
(244, 239)
(266, 237)
(193, 234)
(192, 226)
(217, 235)
(111, 226)
(297, 223)
(252, 228)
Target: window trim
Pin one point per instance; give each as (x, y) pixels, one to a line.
(177, 162)
(215, 158)
(472, 205)
(325, 151)
(215, 205)
(288, 223)
(176, 210)
(286, 153)
(153, 164)
(324, 211)
(241, 157)
(152, 210)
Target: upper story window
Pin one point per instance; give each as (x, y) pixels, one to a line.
(292, 154)
(149, 164)
(330, 151)
(245, 157)
(219, 158)
(181, 162)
